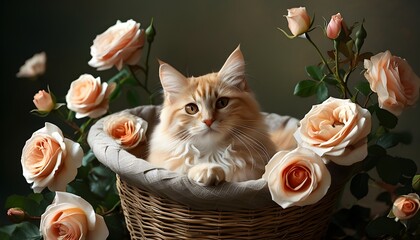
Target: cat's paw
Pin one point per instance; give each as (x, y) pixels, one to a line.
(208, 174)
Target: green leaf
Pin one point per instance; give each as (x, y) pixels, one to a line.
(404, 190)
(376, 151)
(386, 118)
(416, 183)
(388, 140)
(322, 92)
(88, 158)
(364, 88)
(101, 180)
(116, 226)
(314, 72)
(389, 169)
(408, 167)
(330, 79)
(27, 204)
(116, 93)
(305, 88)
(391, 139)
(4, 236)
(359, 185)
(37, 197)
(120, 76)
(81, 188)
(384, 197)
(25, 230)
(383, 226)
(133, 98)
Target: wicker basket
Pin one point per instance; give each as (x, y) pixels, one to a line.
(149, 216)
(160, 204)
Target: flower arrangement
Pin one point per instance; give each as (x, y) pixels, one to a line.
(81, 201)
(342, 129)
(347, 127)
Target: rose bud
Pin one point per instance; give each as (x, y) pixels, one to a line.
(298, 20)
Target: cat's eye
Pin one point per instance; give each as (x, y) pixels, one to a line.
(191, 108)
(222, 102)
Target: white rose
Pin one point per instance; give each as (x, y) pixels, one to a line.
(297, 178)
(336, 129)
(394, 81)
(127, 129)
(88, 97)
(50, 160)
(119, 44)
(71, 217)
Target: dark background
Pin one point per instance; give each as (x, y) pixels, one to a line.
(193, 36)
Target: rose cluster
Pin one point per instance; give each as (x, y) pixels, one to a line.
(51, 160)
(339, 130)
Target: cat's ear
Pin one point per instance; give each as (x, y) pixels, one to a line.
(172, 81)
(233, 71)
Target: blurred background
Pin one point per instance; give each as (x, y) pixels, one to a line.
(195, 37)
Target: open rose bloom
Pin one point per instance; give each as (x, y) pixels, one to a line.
(127, 129)
(337, 130)
(394, 81)
(50, 160)
(88, 97)
(406, 206)
(297, 178)
(119, 44)
(71, 217)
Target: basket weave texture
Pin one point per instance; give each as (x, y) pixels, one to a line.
(161, 204)
(149, 216)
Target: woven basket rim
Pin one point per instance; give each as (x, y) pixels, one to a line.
(252, 194)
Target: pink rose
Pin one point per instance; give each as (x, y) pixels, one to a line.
(43, 101)
(127, 129)
(119, 44)
(406, 206)
(50, 160)
(394, 81)
(297, 178)
(298, 20)
(88, 97)
(33, 67)
(336, 129)
(334, 26)
(71, 217)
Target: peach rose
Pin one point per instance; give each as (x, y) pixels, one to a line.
(50, 160)
(336, 129)
(298, 20)
(297, 178)
(406, 206)
(43, 101)
(88, 97)
(127, 129)
(334, 26)
(119, 44)
(33, 67)
(394, 81)
(71, 217)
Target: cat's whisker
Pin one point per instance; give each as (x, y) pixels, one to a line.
(264, 134)
(258, 144)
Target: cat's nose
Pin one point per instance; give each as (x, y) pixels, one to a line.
(208, 122)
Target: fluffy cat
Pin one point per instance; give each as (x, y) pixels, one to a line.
(210, 126)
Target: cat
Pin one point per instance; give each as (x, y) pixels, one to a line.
(211, 127)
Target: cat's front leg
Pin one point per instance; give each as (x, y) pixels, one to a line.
(207, 174)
